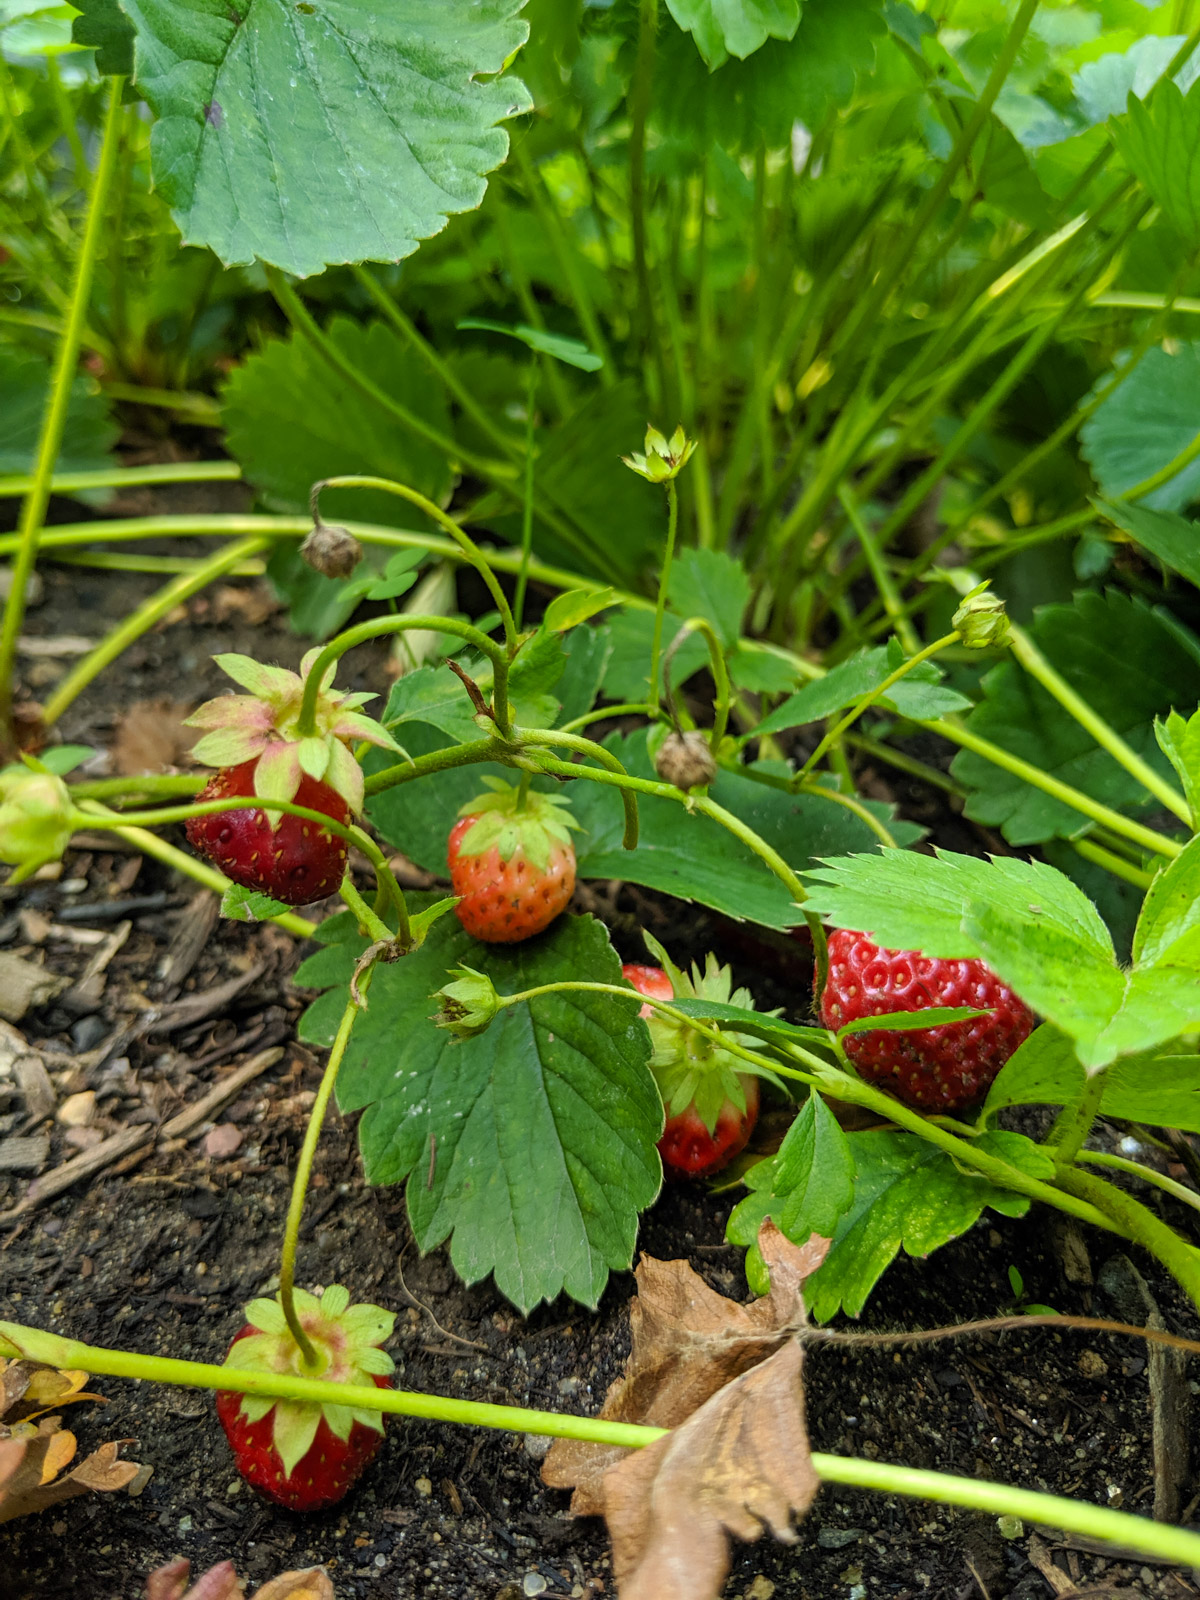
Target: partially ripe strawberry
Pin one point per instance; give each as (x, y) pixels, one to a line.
(307, 1456)
(946, 1068)
(289, 858)
(511, 862)
(711, 1107)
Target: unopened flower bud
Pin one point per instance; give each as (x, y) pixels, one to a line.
(331, 551)
(982, 622)
(664, 458)
(686, 760)
(36, 817)
(468, 1004)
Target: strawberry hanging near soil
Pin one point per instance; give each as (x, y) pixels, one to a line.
(946, 1068)
(294, 861)
(711, 1107)
(511, 862)
(302, 1456)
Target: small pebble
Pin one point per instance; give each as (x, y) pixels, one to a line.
(537, 1445)
(88, 1032)
(73, 885)
(83, 1138)
(423, 1487)
(77, 1110)
(222, 1141)
(1092, 1365)
(534, 1583)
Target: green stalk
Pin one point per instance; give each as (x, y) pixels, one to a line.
(1075, 1122)
(154, 566)
(1159, 1540)
(459, 755)
(884, 582)
(663, 580)
(381, 626)
(126, 477)
(1096, 853)
(849, 802)
(1147, 838)
(532, 737)
(33, 511)
(604, 713)
(1135, 1169)
(531, 388)
(144, 618)
(1139, 1224)
(565, 254)
(199, 871)
(369, 923)
(308, 1150)
(833, 734)
(466, 544)
(639, 108)
(1105, 735)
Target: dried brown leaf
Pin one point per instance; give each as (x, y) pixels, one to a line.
(35, 1448)
(688, 1342)
(151, 736)
(739, 1464)
(221, 1583)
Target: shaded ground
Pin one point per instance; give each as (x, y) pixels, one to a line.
(161, 1254)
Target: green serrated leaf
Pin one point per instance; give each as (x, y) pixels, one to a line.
(532, 1147)
(432, 695)
(1168, 930)
(573, 351)
(907, 1195)
(906, 901)
(1179, 740)
(769, 1029)
(250, 905)
(1160, 1091)
(103, 24)
(814, 1169)
(910, 1021)
(574, 606)
(712, 585)
(24, 384)
(1144, 424)
(1130, 664)
(920, 694)
(1173, 539)
(724, 28)
(1159, 140)
(1044, 1070)
(63, 758)
(343, 132)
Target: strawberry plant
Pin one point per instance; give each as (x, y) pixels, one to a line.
(755, 449)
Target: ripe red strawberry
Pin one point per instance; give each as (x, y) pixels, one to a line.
(711, 1107)
(512, 862)
(306, 1456)
(294, 861)
(256, 742)
(935, 1069)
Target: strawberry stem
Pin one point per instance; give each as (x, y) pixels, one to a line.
(1157, 1539)
(369, 923)
(663, 580)
(312, 1133)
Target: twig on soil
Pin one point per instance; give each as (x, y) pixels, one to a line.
(128, 1140)
(421, 1306)
(883, 1341)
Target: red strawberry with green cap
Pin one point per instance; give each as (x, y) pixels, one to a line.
(711, 1104)
(946, 1068)
(300, 1455)
(255, 741)
(511, 863)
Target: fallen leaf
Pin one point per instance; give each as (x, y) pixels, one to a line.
(221, 1583)
(726, 1379)
(35, 1448)
(252, 603)
(151, 736)
(688, 1341)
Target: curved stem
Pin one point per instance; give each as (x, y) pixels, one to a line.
(15, 484)
(464, 541)
(663, 579)
(337, 647)
(602, 713)
(312, 1133)
(369, 923)
(1075, 1123)
(33, 511)
(884, 582)
(458, 755)
(588, 747)
(720, 672)
(147, 784)
(1135, 1169)
(867, 700)
(1091, 851)
(1138, 1223)
(144, 618)
(849, 802)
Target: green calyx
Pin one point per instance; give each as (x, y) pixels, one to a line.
(36, 818)
(508, 820)
(346, 1340)
(689, 1068)
(469, 1003)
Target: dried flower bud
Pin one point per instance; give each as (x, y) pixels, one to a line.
(982, 622)
(333, 552)
(686, 760)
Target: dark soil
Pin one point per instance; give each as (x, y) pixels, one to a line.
(161, 1255)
